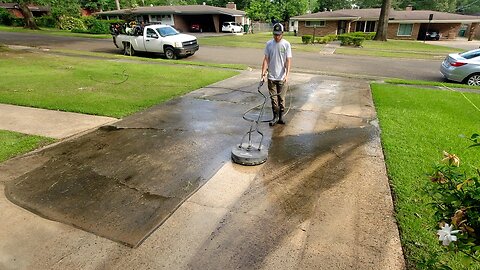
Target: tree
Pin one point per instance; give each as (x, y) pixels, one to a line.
(369, 3)
(333, 4)
(29, 21)
(258, 10)
(285, 9)
(382, 27)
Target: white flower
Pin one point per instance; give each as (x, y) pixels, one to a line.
(446, 234)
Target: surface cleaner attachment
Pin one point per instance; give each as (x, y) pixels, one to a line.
(251, 152)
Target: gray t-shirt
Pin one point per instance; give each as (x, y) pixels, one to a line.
(277, 54)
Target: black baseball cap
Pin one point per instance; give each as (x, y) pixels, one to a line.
(277, 29)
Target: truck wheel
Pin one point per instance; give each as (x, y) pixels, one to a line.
(170, 53)
(128, 49)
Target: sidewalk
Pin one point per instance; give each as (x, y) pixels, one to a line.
(53, 124)
(321, 201)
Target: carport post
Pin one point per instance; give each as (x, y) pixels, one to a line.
(430, 18)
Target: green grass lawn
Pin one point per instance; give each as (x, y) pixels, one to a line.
(391, 48)
(257, 40)
(13, 143)
(417, 125)
(52, 31)
(399, 49)
(110, 88)
(428, 83)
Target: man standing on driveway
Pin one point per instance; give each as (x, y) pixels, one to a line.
(277, 60)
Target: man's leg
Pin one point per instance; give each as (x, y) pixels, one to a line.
(272, 89)
(282, 91)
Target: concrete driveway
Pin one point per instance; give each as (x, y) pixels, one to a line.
(460, 43)
(321, 201)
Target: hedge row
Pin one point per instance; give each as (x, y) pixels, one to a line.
(306, 39)
(355, 38)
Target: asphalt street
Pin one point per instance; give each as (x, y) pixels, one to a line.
(302, 62)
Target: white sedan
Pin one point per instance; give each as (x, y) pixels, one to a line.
(462, 67)
(231, 27)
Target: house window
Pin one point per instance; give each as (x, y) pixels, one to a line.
(360, 26)
(365, 26)
(370, 26)
(405, 29)
(315, 23)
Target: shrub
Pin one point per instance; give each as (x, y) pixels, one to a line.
(352, 39)
(370, 35)
(320, 40)
(96, 26)
(46, 21)
(358, 41)
(69, 23)
(329, 38)
(306, 39)
(456, 197)
(6, 18)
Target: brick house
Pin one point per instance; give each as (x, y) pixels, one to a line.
(182, 17)
(405, 24)
(14, 9)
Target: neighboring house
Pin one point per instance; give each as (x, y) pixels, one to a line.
(405, 24)
(15, 10)
(209, 18)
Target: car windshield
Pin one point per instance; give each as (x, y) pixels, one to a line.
(167, 31)
(470, 54)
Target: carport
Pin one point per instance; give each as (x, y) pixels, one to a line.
(209, 18)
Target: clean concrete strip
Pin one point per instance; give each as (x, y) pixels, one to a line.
(53, 124)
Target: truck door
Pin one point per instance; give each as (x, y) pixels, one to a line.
(153, 41)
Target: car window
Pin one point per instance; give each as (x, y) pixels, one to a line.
(225, 24)
(470, 54)
(167, 31)
(151, 33)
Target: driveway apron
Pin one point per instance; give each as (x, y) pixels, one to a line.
(162, 181)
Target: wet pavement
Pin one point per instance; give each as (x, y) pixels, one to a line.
(321, 201)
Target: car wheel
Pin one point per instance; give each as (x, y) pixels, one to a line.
(170, 53)
(128, 49)
(474, 79)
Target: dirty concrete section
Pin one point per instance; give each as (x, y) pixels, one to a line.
(122, 181)
(321, 201)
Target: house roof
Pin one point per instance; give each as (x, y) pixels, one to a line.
(180, 10)
(394, 15)
(31, 7)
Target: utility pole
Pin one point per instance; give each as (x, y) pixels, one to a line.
(430, 18)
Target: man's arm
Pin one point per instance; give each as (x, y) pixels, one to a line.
(264, 67)
(288, 64)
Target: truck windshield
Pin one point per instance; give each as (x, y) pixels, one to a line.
(167, 31)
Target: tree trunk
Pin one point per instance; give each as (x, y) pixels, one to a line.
(28, 17)
(383, 21)
(117, 2)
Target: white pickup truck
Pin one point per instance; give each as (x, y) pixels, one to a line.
(158, 38)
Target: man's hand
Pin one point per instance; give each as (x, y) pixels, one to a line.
(264, 75)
